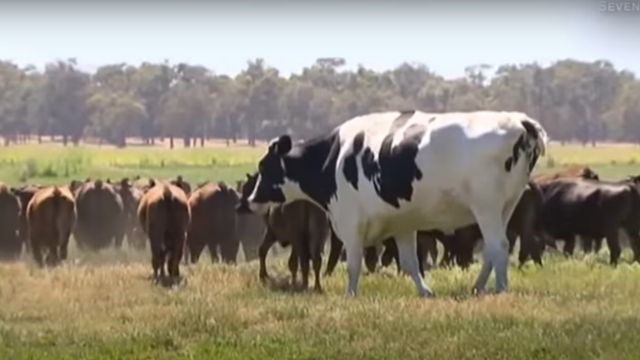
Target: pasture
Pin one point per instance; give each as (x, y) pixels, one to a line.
(104, 306)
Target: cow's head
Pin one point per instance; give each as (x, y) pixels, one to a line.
(587, 173)
(271, 186)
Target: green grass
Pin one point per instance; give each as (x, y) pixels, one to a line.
(103, 306)
(48, 164)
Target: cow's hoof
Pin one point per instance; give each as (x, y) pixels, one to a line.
(428, 295)
(475, 291)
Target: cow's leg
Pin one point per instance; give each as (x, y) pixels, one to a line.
(354, 252)
(614, 246)
(407, 253)
(317, 244)
(303, 251)
(634, 239)
(421, 252)
(267, 241)
(36, 250)
(293, 266)
(334, 254)
(597, 245)
(212, 246)
(371, 258)
(174, 257)
(569, 246)
(587, 244)
(64, 244)
(495, 253)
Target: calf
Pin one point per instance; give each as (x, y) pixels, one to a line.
(51, 216)
(164, 215)
(213, 222)
(299, 224)
(390, 174)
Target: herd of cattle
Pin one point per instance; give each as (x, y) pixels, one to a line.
(177, 223)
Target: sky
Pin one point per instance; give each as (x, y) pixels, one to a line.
(289, 35)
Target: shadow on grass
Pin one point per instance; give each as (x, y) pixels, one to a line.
(284, 285)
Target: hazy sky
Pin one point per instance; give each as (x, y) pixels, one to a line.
(291, 35)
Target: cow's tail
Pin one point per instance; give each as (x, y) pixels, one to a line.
(536, 139)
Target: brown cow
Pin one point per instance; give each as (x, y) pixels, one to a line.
(165, 215)
(213, 222)
(10, 209)
(25, 194)
(51, 216)
(101, 217)
(576, 171)
(302, 225)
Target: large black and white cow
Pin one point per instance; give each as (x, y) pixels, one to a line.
(392, 173)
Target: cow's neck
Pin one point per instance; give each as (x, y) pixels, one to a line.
(312, 165)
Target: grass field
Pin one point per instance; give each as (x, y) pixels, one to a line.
(104, 306)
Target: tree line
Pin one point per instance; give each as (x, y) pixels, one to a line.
(574, 100)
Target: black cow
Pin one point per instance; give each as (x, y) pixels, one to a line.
(592, 209)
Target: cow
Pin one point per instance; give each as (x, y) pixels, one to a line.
(182, 184)
(592, 209)
(10, 209)
(101, 215)
(164, 215)
(51, 217)
(576, 171)
(213, 222)
(572, 172)
(389, 174)
(131, 196)
(25, 193)
(300, 224)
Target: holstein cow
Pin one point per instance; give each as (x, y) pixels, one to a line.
(51, 216)
(389, 174)
(164, 215)
(300, 224)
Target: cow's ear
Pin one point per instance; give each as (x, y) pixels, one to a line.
(283, 146)
(248, 176)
